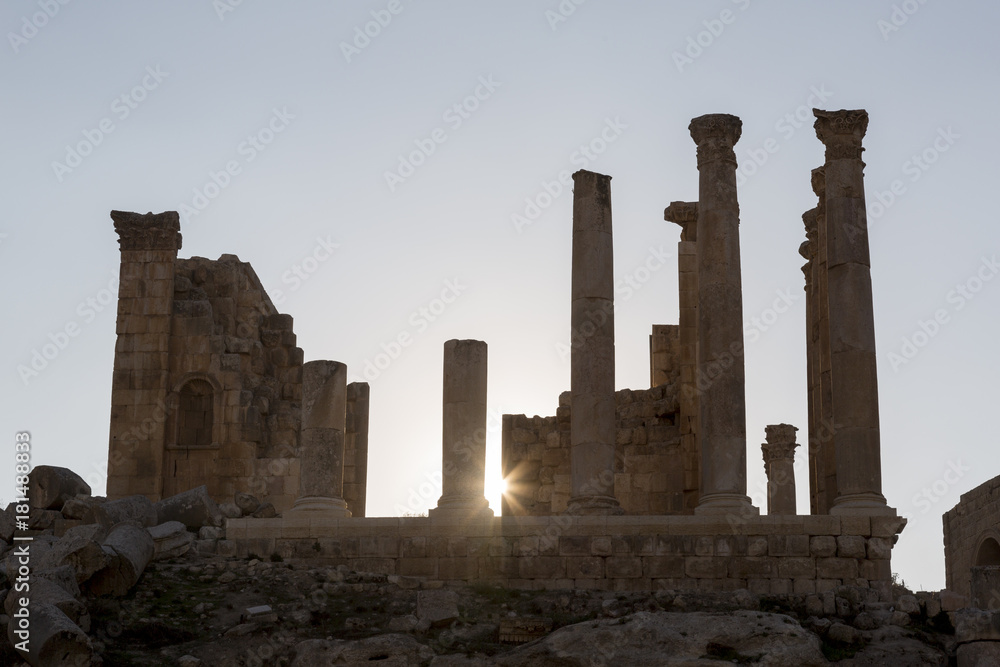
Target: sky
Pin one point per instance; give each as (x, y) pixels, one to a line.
(396, 171)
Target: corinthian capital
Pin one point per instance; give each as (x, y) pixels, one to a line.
(152, 231)
(780, 442)
(715, 135)
(841, 132)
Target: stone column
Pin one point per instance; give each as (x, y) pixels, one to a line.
(779, 464)
(852, 319)
(356, 448)
(721, 384)
(808, 252)
(823, 445)
(139, 386)
(463, 449)
(685, 214)
(592, 355)
(321, 439)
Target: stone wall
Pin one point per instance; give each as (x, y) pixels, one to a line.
(805, 555)
(972, 535)
(649, 466)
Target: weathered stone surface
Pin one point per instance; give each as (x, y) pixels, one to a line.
(80, 549)
(896, 646)
(439, 608)
(194, 508)
(49, 487)
(978, 654)
(77, 508)
(230, 510)
(130, 547)
(170, 540)
(7, 525)
(247, 503)
(390, 650)
(54, 639)
(44, 591)
(131, 508)
(977, 625)
(662, 638)
(265, 511)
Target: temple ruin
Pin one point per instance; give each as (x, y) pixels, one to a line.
(636, 489)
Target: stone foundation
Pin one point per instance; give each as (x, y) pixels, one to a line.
(801, 555)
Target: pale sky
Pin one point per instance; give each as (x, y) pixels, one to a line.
(404, 157)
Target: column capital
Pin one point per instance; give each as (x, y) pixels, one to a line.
(841, 132)
(152, 231)
(780, 442)
(715, 135)
(685, 214)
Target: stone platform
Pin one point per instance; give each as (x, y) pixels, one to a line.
(765, 554)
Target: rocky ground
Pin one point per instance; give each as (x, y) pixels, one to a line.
(193, 610)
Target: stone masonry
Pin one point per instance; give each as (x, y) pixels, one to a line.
(972, 535)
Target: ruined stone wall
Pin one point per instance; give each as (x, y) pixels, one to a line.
(972, 535)
(649, 470)
(804, 555)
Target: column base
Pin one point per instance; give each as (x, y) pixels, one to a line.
(726, 503)
(862, 504)
(594, 506)
(461, 507)
(332, 507)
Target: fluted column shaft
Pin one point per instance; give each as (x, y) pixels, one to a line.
(321, 438)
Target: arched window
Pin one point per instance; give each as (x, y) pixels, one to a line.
(989, 552)
(195, 414)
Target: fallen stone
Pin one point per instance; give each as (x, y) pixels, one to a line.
(389, 650)
(908, 605)
(7, 525)
(130, 548)
(77, 508)
(54, 639)
(49, 487)
(265, 511)
(672, 638)
(211, 533)
(64, 577)
(246, 503)
(898, 647)
(44, 591)
(977, 625)
(402, 623)
(39, 519)
(170, 540)
(241, 630)
(952, 601)
(438, 607)
(132, 508)
(261, 614)
(188, 661)
(80, 549)
(230, 510)
(194, 508)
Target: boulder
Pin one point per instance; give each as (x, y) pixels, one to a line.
(132, 508)
(265, 511)
(130, 548)
(675, 638)
(194, 508)
(77, 508)
(7, 525)
(49, 487)
(44, 591)
(170, 540)
(248, 504)
(80, 549)
(230, 510)
(437, 607)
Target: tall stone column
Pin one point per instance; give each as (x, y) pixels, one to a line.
(808, 252)
(685, 214)
(823, 445)
(592, 355)
(779, 464)
(321, 439)
(721, 379)
(463, 450)
(140, 382)
(852, 319)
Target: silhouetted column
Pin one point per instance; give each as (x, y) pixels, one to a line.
(685, 214)
(852, 320)
(722, 402)
(808, 251)
(779, 465)
(321, 439)
(592, 356)
(463, 448)
(827, 462)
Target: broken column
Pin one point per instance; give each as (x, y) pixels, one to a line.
(321, 439)
(854, 390)
(685, 214)
(463, 450)
(720, 379)
(592, 355)
(779, 465)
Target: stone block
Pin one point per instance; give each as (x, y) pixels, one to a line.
(797, 568)
(623, 567)
(757, 545)
(753, 567)
(879, 548)
(823, 546)
(601, 546)
(836, 568)
(698, 567)
(573, 545)
(781, 586)
(663, 567)
(855, 525)
(587, 567)
(465, 569)
(851, 546)
(542, 567)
